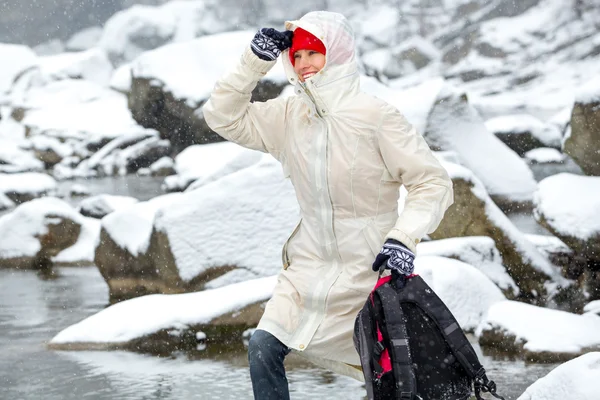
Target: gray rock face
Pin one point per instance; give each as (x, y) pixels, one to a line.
(583, 145)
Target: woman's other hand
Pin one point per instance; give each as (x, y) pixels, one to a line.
(268, 43)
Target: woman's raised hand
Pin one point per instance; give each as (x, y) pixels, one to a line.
(268, 43)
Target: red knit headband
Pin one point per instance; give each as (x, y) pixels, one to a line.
(304, 40)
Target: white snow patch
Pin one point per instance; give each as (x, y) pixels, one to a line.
(83, 251)
(574, 380)
(145, 315)
(545, 155)
(203, 223)
(19, 58)
(516, 124)
(33, 183)
(457, 284)
(477, 251)
(131, 227)
(570, 204)
(543, 329)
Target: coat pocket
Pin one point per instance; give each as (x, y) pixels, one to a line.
(284, 253)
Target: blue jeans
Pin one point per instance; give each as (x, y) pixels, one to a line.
(265, 356)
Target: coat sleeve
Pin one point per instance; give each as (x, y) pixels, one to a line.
(229, 112)
(410, 161)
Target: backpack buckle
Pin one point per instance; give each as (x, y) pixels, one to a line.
(379, 348)
(406, 395)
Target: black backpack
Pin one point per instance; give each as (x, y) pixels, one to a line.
(412, 348)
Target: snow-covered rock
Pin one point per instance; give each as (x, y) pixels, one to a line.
(574, 380)
(592, 307)
(475, 214)
(455, 125)
(37, 231)
(583, 142)
(49, 48)
(477, 251)
(136, 318)
(544, 155)
(82, 252)
(165, 166)
(568, 205)
(448, 278)
(102, 205)
(524, 132)
(14, 159)
(537, 333)
(23, 187)
(20, 58)
(122, 255)
(92, 65)
(201, 164)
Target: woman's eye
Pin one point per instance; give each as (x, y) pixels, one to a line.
(310, 53)
(296, 55)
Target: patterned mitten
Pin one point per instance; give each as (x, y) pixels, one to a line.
(268, 43)
(396, 257)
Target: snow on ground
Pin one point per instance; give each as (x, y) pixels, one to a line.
(20, 229)
(203, 224)
(194, 74)
(458, 284)
(570, 204)
(543, 329)
(574, 380)
(82, 252)
(548, 244)
(544, 155)
(516, 124)
(202, 164)
(131, 227)
(478, 251)
(5, 202)
(27, 183)
(145, 315)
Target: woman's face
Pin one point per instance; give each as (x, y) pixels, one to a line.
(307, 63)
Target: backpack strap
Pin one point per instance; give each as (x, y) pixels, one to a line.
(419, 293)
(392, 324)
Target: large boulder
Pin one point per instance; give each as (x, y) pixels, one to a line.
(454, 125)
(523, 132)
(475, 214)
(583, 143)
(37, 231)
(168, 96)
(122, 255)
(567, 205)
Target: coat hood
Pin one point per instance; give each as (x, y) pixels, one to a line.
(334, 30)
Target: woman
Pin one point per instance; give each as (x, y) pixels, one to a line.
(346, 153)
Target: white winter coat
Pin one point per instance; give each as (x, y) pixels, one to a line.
(346, 153)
